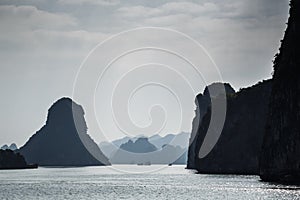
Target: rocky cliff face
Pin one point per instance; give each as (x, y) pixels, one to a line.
(280, 153)
(63, 141)
(237, 150)
(202, 102)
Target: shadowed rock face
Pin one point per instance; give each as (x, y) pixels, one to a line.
(11, 160)
(280, 155)
(237, 150)
(202, 103)
(60, 142)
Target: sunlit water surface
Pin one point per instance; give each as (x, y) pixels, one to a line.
(135, 182)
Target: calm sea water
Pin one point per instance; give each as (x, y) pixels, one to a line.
(135, 182)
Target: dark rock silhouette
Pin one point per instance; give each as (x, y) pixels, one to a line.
(202, 102)
(12, 147)
(12, 160)
(159, 141)
(63, 141)
(237, 150)
(280, 155)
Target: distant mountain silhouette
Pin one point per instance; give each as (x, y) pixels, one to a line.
(133, 153)
(12, 147)
(141, 145)
(109, 147)
(128, 151)
(237, 150)
(123, 140)
(4, 147)
(180, 139)
(12, 160)
(160, 141)
(63, 141)
(280, 154)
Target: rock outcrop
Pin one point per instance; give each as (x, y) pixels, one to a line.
(63, 141)
(12, 160)
(237, 150)
(280, 155)
(202, 102)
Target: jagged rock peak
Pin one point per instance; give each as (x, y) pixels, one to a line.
(218, 88)
(141, 145)
(67, 107)
(63, 141)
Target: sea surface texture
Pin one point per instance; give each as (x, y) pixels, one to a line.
(135, 182)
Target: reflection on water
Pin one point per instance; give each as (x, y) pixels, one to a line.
(173, 182)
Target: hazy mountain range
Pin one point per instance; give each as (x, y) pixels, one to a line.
(155, 149)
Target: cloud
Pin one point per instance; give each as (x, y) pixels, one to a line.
(43, 43)
(90, 2)
(241, 36)
(167, 9)
(25, 29)
(72, 42)
(29, 17)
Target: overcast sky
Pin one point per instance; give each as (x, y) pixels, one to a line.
(43, 44)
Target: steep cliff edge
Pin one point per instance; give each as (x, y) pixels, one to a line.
(280, 154)
(202, 102)
(63, 141)
(237, 150)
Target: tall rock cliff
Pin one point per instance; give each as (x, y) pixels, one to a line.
(237, 150)
(63, 141)
(280, 155)
(202, 102)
